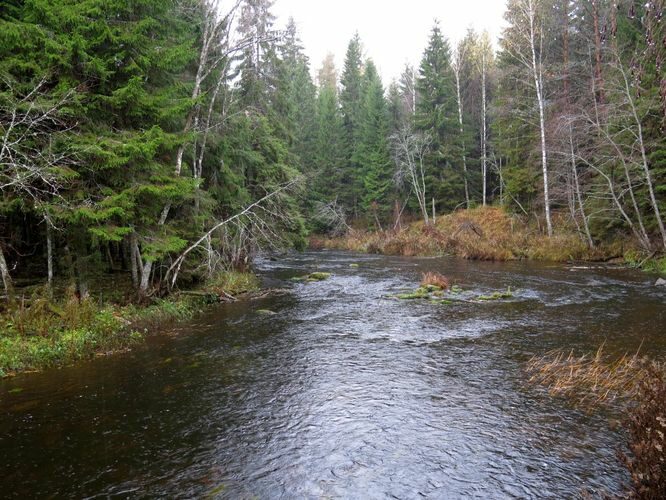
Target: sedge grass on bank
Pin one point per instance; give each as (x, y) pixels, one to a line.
(637, 385)
(39, 332)
(590, 380)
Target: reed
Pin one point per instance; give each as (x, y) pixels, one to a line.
(590, 380)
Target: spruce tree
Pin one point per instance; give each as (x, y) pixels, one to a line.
(436, 115)
(351, 83)
(372, 151)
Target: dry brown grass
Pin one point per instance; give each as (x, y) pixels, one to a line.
(484, 233)
(590, 380)
(636, 382)
(435, 279)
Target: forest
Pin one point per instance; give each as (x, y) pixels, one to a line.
(161, 156)
(172, 140)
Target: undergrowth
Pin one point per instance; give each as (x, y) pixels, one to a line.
(37, 332)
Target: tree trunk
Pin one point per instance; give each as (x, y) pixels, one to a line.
(49, 253)
(462, 137)
(598, 77)
(135, 259)
(578, 195)
(484, 134)
(538, 84)
(6, 278)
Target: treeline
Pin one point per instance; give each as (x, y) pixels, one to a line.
(171, 139)
(564, 124)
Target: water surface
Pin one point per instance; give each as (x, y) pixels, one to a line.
(343, 392)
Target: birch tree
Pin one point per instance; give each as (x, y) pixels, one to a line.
(457, 62)
(524, 43)
(410, 149)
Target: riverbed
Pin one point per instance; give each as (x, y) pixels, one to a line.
(336, 389)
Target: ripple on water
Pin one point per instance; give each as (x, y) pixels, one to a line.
(344, 392)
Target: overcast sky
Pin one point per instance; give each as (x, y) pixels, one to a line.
(393, 32)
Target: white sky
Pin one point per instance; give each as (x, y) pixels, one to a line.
(392, 32)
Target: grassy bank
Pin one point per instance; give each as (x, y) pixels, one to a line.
(479, 234)
(38, 332)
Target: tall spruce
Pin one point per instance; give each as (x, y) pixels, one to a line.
(436, 115)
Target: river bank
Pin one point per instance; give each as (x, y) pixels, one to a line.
(38, 331)
(488, 234)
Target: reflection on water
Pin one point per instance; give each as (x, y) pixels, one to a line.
(345, 392)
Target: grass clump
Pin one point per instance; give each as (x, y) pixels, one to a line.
(233, 283)
(589, 380)
(435, 280)
(483, 233)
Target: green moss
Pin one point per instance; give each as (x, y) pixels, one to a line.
(496, 295)
(419, 293)
(312, 277)
(318, 276)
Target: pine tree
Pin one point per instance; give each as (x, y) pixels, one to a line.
(330, 179)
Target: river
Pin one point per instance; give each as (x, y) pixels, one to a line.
(343, 392)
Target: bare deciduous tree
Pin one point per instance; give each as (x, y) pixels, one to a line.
(32, 165)
(409, 151)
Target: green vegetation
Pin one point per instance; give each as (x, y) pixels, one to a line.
(167, 141)
(313, 277)
(40, 332)
(496, 295)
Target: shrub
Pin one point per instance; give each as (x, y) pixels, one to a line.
(647, 430)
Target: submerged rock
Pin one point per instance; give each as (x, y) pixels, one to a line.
(266, 312)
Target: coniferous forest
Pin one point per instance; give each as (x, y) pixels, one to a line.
(131, 131)
(161, 156)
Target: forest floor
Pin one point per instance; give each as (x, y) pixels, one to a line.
(38, 331)
(488, 233)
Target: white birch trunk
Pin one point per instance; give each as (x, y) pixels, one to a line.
(456, 70)
(538, 84)
(484, 132)
(6, 277)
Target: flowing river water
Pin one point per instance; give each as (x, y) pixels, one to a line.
(343, 392)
